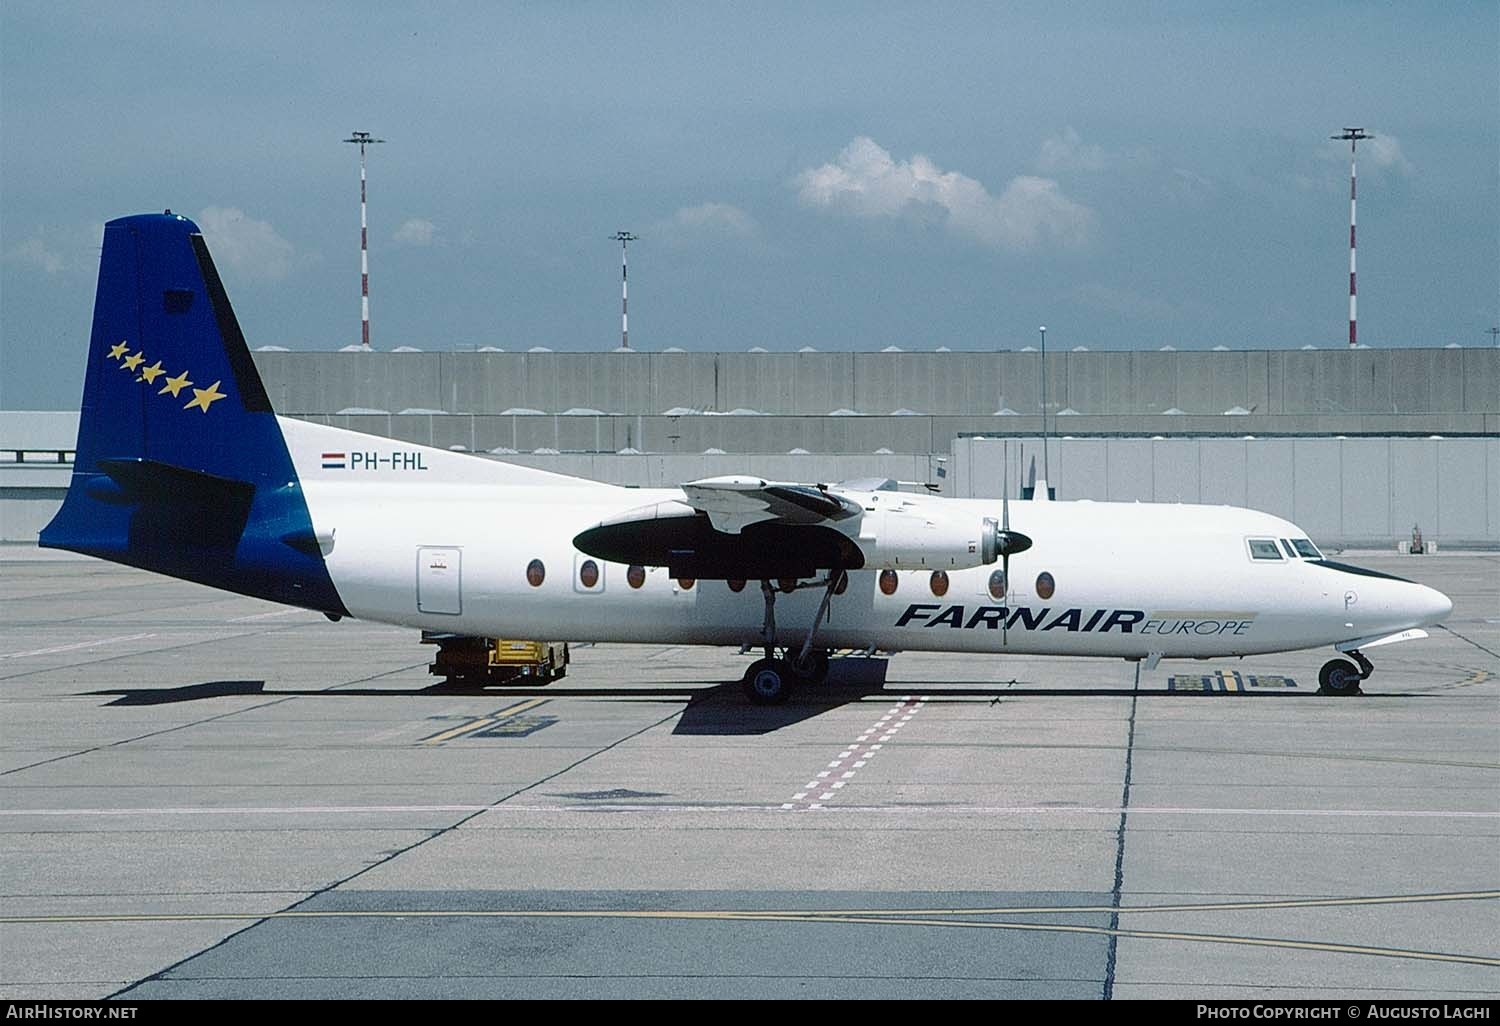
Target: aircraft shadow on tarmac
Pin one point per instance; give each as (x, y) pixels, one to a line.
(710, 708)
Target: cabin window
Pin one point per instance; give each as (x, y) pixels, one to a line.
(736, 585)
(1307, 548)
(1045, 585)
(940, 583)
(536, 573)
(1264, 548)
(588, 573)
(1291, 553)
(635, 576)
(888, 582)
(686, 583)
(787, 585)
(997, 585)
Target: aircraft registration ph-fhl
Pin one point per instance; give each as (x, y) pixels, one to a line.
(183, 468)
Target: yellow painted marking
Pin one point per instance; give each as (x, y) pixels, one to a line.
(203, 397)
(118, 351)
(175, 385)
(889, 917)
(488, 721)
(449, 735)
(151, 373)
(132, 362)
(1231, 681)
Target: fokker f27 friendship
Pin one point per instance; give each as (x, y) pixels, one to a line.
(184, 469)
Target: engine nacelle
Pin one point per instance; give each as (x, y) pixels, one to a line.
(928, 539)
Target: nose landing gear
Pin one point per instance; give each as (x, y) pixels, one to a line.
(1341, 677)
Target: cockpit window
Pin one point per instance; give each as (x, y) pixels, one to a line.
(1307, 549)
(1264, 548)
(1291, 553)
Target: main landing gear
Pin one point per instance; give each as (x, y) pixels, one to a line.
(769, 680)
(1341, 677)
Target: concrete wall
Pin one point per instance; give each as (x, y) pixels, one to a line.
(1356, 491)
(693, 434)
(1274, 382)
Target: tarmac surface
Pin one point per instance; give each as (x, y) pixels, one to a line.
(209, 796)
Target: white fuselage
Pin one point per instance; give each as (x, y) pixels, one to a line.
(442, 541)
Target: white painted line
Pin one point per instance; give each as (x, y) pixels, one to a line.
(837, 784)
(788, 805)
(799, 796)
(848, 775)
(860, 763)
(75, 647)
(595, 807)
(823, 774)
(265, 616)
(826, 795)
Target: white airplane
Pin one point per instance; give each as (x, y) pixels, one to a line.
(183, 468)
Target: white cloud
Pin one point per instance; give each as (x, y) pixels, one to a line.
(1382, 152)
(1386, 152)
(251, 247)
(865, 181)
(38, 253)
(706, 220)
(53, 250)
(1068, 152)
(416, 231)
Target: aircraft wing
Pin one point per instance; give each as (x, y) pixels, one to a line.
(735, 502)
(748, 528)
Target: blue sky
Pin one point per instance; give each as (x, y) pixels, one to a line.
(841, 175)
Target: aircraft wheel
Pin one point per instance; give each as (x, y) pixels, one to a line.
(814, 670)
(1339, 677)
(768, 681)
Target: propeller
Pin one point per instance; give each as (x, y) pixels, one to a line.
(1007, 542)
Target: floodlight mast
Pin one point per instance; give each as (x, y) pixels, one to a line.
(1353, 136)
(363, 139)
(624, 239)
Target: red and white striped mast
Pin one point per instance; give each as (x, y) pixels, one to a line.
(363, 139)
(624, 239)
(1353, 136)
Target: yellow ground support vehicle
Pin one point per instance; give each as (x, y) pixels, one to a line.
(467, 659)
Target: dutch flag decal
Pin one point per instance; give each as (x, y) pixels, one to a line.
(333, 461)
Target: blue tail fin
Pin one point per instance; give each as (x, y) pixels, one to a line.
(181, 467)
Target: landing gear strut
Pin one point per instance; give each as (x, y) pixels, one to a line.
(768, 681)
(1341, 677)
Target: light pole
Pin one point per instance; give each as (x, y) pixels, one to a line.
(1046, 470)
(624, 239)
(363, 139)
(1353, 136)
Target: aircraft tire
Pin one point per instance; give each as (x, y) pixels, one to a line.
(1339, 677)
(768, 681)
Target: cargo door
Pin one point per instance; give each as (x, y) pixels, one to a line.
(439, 580)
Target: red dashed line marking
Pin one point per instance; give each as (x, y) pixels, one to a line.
(824, 786)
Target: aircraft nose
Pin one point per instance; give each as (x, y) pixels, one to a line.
(1429, 605)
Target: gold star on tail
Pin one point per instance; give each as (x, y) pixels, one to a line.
(118, 351)
(132, 362)
(203, 396)
(175, 385)
(151, 373)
